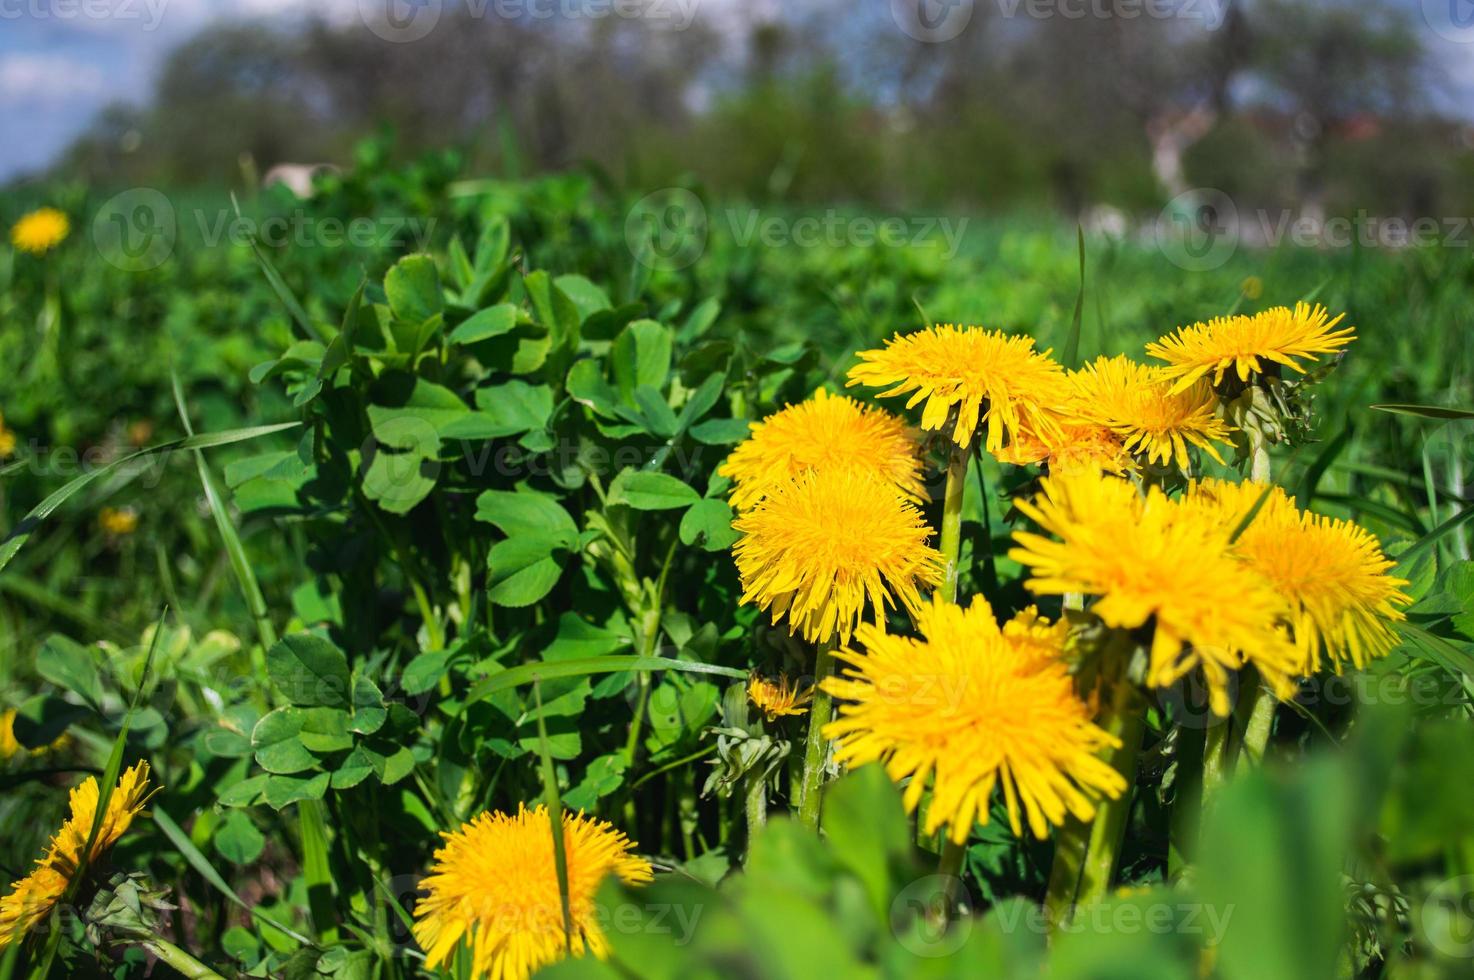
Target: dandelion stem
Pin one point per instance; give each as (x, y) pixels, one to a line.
(816, 750)
(179, 960)
(952, 520)
(1256, 730)
(757, 803)
(1126, 719)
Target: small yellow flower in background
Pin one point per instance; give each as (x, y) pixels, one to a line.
(973, 708)
(40, 231)
(10, 746)
(991, 379)
(1135, 402)
(118, 522)
(826, 432)
(1252, 287)
(1332, 572)
(1244, 343)
(1150, 559)
(140, 432)
(494, 886)
(777, 697)
(817, 549)
(7, 439)
(33, 897)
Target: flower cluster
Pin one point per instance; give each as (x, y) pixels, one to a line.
(1194, 576)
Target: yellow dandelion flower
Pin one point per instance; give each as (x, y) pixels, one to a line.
(494, 887)
(10, 746)
(1332, 572)
(32, 898)
(1147, 559)
(7, 439)
(827, 431)
(818, 548)
(118, 522)
(1074, 445)
(1034, 635)
(777, 697)
(972, 707)
(40, 231)
(1278, 335)
(988, 377)
(1134, 401)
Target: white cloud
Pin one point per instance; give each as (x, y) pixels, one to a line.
(49, 78)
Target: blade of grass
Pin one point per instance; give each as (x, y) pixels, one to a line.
(555, 814)
(1426, 411)
(206, 870)
(547, 670)
(1317, 469)
(28, 524)
(1070, 353)
(279, 285)
(317, 873)
(239, 564)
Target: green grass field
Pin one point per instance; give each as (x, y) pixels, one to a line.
(352, 536)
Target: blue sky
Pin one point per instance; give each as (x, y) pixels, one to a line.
(63, 60)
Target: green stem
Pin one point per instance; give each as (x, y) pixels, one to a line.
(1071, 842)
(952, 499)
(756, 800)
(1258, 455)
(1217, 758)
(949, 868)
(1127, 722)
(1256, 730)
(816, 749)
(179, 960)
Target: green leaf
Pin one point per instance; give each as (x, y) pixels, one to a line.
(587, 386)
(516, 406)
(69, 666)
(650, 491)
(641, 355)
(867, 829)
(277, 742)
(555, 311)
(708, 523)
(417, 424)
(413, 289)
(397, 482)
(527, 512)
(522, 570)
(284, 790)
(721, 432)
(586, 297)
(485, 324)
(309, 670)
(425, 671)
(237, 839)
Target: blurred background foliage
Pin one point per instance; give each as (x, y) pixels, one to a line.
(1324, 106)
